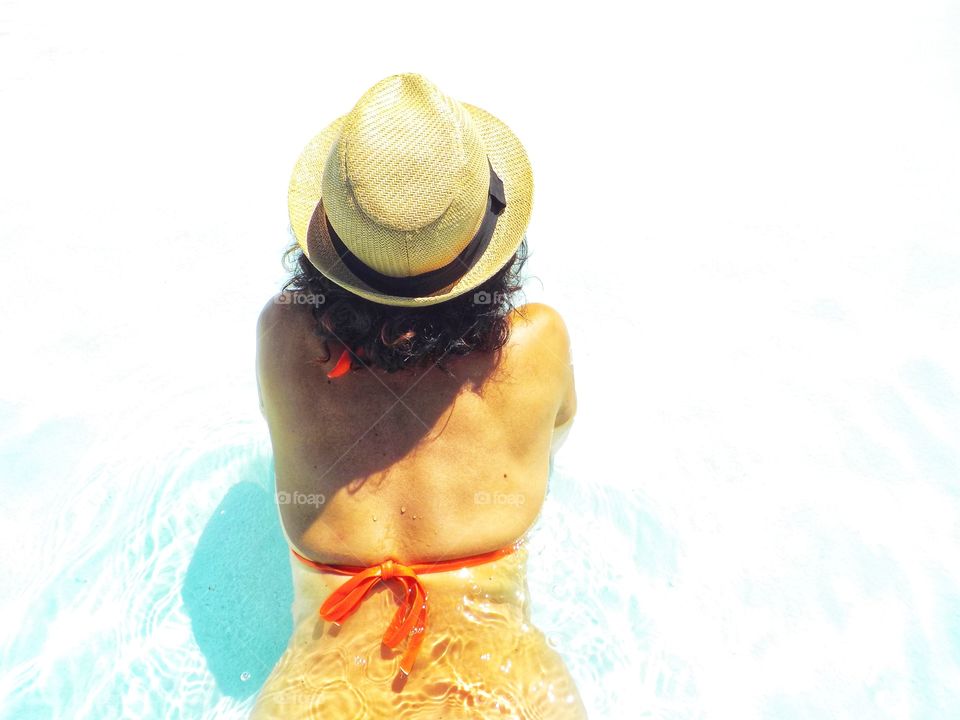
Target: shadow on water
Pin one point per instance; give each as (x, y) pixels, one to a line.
(238, 589)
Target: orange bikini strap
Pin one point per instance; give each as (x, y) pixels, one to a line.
(343, 363)
(411, 617)
(433, 566)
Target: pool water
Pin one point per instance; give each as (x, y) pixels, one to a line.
(167, 593)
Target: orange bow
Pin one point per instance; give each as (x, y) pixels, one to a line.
(411, 617)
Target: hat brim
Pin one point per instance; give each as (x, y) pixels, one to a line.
(509, 160)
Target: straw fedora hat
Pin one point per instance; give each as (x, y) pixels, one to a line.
(411, 198)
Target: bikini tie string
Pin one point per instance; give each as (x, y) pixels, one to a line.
(344, 363)
(410, 620)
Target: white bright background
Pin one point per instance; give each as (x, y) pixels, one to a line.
(749, 214)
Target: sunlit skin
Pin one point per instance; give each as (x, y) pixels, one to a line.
(456, 466)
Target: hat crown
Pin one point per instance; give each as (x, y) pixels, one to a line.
(406, 183)
(403, 152)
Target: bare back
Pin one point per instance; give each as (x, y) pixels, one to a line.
(415, 465)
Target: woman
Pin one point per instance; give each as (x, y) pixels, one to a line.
(413, 411)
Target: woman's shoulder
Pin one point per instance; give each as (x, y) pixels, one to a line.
(540, 323)
(541, 340)
(284, 321)
(283, 310)
(538, 311)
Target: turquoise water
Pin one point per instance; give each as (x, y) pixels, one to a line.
(756, 512)
(170, 596)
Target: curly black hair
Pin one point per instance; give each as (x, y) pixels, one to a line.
(393, 337)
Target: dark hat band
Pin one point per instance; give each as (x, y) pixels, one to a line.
(429, 282)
